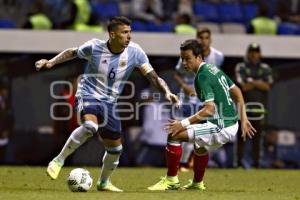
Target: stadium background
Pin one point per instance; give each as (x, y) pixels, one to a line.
(32, 130)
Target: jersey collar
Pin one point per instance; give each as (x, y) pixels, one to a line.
(109, 49)
(201, 64)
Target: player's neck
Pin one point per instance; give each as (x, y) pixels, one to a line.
(114, 48)
(196, 69)
(206, 52)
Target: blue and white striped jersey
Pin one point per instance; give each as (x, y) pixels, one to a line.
(215, 57)
(106, 72)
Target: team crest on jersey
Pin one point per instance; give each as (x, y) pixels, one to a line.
(122, 63)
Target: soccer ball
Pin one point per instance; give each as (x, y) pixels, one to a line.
(79, 180)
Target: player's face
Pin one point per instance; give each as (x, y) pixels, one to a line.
(121, 35)
(190, 61)
(205, 40)
(254, 56)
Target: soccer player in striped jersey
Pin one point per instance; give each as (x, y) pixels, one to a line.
(216, 90)
(185, 80)
(109, 64)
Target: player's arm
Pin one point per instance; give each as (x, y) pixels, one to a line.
(174, 127)
(162, 86)
(64, 56)
(188, 90)
(247, 128)
(207, 110)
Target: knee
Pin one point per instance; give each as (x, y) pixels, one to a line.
(91, 127)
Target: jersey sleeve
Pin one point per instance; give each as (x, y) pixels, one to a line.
(207, 93)
(142, 62)
(85, 50)
(229, 81)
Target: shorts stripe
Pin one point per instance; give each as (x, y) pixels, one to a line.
(207, 131)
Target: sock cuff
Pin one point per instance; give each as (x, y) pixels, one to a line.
(174, 148)
(114, 150)
(200, 155)
(91, 126)
(173, 143)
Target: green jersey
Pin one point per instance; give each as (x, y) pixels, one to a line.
(212, 84)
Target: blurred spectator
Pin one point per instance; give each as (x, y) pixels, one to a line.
(289, 10)
(170, 8)
(184, 25)
(5, 120)
(153, 136)
(83, 13)
(79, 17)
(255, 79)
(61, 12)
(185, 6)
(15, 11)
(147, 10)
(63, 127)
(281, 149)
(262, 23)
(37, 17)
(93, 25)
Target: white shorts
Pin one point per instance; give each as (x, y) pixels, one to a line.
(210, 136)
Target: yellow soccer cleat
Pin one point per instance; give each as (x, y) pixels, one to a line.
(194, 186)
(166, 183)
(53, 169)
(107, 186)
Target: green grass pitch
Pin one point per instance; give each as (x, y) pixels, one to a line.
(32, 183)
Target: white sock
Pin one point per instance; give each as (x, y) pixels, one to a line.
(187, 149)
(110, 162)
(76, 139)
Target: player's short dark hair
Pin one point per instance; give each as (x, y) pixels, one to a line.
(116, 21)
(193, 45)
(203, 30)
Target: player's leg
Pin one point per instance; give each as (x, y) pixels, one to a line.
(187, 150)
(207, 137)
(113, 150)
(173, 155)
(200, 157)
(76, 139)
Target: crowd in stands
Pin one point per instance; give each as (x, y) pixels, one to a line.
(181, 16)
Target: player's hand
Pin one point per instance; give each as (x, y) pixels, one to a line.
(174, 127)
(174, 99)
(247, 129)
(43, 63)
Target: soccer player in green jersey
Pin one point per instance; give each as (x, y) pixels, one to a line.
(218, 92)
